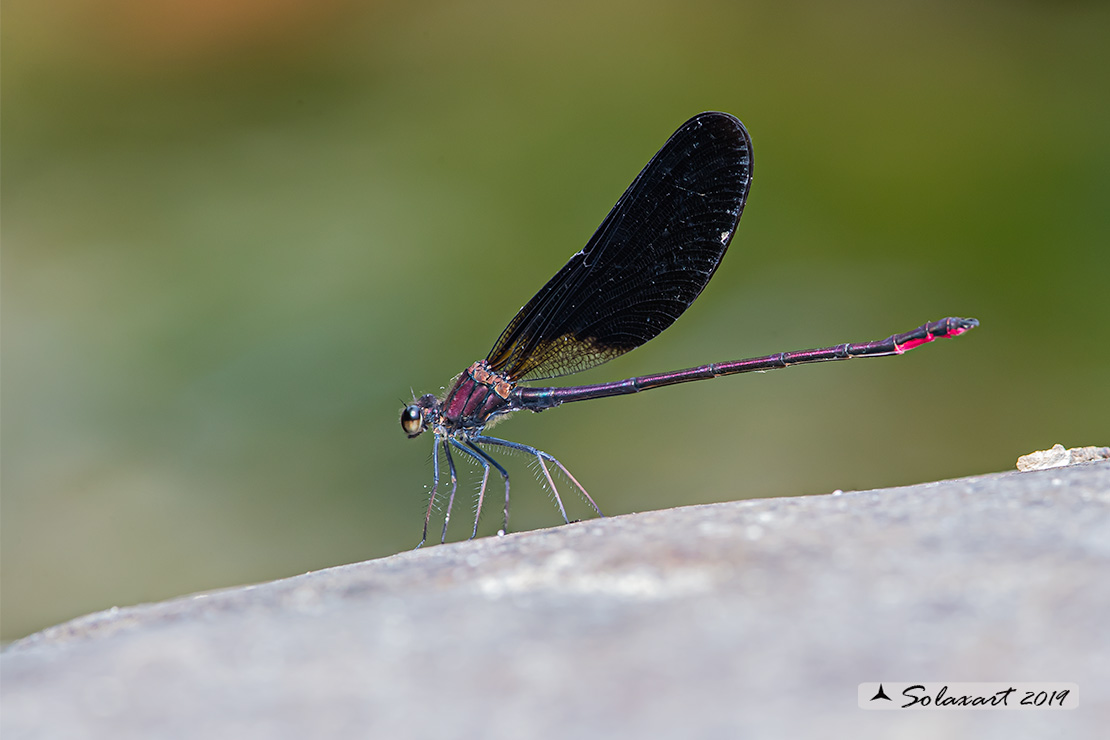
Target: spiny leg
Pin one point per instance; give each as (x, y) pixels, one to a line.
(551, 482)
(454, 487)
(504, 474)
(485, 479)
(435, 487)
(541, 456)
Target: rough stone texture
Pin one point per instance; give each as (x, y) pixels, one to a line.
(755, 618)
(1058, 457)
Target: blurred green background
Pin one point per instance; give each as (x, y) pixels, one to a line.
(238, 236)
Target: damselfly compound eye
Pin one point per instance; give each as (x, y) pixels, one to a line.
(412, 420)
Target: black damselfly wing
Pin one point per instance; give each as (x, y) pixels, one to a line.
(647, 262)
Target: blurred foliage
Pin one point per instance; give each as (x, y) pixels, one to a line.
(238, 236)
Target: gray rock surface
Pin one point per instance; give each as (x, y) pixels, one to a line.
(756, 618)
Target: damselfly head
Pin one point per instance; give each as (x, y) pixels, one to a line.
(414, 417)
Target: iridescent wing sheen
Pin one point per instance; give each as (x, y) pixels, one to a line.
(647, 262)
